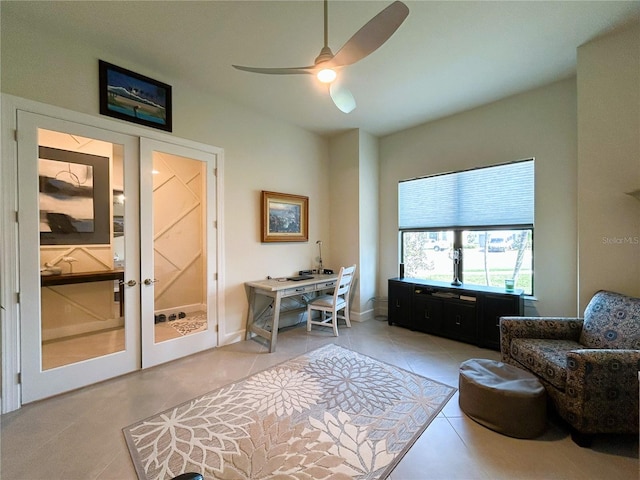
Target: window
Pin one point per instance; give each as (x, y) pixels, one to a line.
(485, 214)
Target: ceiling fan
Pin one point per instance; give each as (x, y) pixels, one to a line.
(365, 41)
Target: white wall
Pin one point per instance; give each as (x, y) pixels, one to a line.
(354, 213)
(344, 234)
(369, 185)
(609, 164)
(261, 153)
(540, 124)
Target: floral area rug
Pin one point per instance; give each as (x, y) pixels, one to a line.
(187, 325)
(328, 414)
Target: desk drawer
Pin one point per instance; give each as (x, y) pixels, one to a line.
(326, 285)
(298, 290)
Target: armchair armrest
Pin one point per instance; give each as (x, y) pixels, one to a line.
(602, 389)
(553, 328)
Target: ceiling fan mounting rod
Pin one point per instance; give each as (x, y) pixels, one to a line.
(325, 54)
(326, 23)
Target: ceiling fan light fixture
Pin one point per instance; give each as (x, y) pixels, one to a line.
(365, 41)
(326, 75)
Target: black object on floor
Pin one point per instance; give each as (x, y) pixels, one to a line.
(189, 476)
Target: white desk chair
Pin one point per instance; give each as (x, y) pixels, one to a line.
(332, 304)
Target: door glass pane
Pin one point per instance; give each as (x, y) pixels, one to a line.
(81, 208)
(179, 256)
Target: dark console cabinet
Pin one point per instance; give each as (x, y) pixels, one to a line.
(468, 314)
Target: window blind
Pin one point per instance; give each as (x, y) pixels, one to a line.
(491, 196)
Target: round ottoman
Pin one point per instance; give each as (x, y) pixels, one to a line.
(503, 398)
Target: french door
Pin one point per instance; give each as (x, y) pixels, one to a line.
(178, 245)
(79, 254)
(115, 268)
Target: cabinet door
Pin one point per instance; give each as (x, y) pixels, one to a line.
(427, 314)
(400, 294)
(494, 307)
(460, 321)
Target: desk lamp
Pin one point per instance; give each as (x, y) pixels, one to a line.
(319, 243)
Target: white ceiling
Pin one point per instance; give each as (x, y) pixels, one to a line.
(447, 57)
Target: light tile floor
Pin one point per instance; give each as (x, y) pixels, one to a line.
(79, 435)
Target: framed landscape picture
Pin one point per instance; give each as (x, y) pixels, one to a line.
(130, 96)
(285, 217)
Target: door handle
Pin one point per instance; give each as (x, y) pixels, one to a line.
(130, 283)
(148, 281)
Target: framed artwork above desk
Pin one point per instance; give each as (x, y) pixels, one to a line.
(285, 217)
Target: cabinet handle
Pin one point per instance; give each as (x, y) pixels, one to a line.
(397, 303)
(458, 319)
(427, 316)
(300, 289)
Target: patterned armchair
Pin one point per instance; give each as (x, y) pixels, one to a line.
(588, 366)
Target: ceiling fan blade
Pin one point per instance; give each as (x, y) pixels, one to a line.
(372, 35)
(342, 97)
(278, 71)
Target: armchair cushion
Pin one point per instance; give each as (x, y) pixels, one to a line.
(551, 328)
(546, 358)
(611, 320)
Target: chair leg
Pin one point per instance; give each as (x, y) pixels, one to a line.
(308, 319)
(334, 322)
(346, 316)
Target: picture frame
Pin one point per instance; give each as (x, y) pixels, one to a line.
(74, 198)
(133, 97)
(285, 217)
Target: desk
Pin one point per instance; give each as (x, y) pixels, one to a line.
(278, 290)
